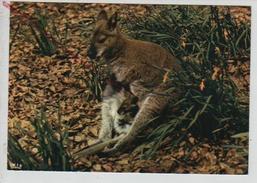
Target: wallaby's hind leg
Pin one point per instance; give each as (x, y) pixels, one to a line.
(151, 107)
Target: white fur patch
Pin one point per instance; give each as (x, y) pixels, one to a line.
(110, 116)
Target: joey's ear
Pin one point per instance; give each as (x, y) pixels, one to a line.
(112, 22)
(102, 15)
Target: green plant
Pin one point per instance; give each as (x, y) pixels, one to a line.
(204, 39)
(95, 80)
(51, 152)
(45, 41)
(17, 155)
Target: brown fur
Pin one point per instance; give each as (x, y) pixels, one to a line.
(135, 63)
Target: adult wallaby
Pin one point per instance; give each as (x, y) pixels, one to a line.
(140, 65)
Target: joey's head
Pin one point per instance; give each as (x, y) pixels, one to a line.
(105, 36)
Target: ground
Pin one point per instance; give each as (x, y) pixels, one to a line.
(58, 83)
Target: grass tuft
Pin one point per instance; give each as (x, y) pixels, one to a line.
(51, 152)
(205, 40)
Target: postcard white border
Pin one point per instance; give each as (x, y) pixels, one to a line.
(7, 176)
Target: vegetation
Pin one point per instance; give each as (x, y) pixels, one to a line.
(51, 153)
(207, 41)
(45, 41)
(48, 65)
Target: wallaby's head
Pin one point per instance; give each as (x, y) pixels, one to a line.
(104, 37)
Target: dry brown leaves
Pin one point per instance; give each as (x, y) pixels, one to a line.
(58, 84)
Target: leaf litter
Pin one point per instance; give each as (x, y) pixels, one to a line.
(59, 85)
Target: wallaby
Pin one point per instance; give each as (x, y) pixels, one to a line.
(140, 65)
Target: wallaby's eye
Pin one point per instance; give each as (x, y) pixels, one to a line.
(101, 39)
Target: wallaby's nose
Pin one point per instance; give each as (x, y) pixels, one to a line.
(91, 52)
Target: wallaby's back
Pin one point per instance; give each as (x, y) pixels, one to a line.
(143, 60)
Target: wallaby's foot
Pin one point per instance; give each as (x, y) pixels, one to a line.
(119, 147)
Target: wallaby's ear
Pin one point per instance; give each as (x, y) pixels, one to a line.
(112, 22)
(102, 15)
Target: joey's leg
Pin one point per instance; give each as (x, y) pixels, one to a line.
(151, 107)
(107, 121)
(109, 107)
